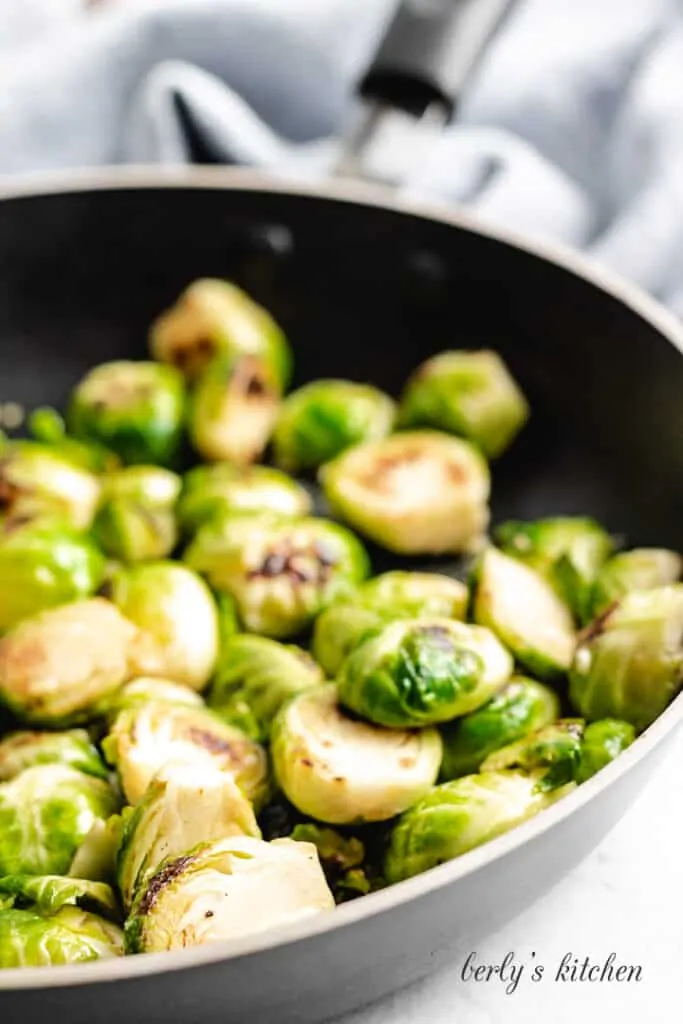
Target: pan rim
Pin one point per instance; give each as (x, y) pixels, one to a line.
(47, 183)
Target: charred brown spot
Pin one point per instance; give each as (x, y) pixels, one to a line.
(204, 347)
(208, 914)
(9, 491)
(305, 761)
(406, 762)
(439, 634)
(455, 472)
(14, 523)
(339, 778)
(251, 379)
(210, 741)
(597, 627)
(310, 564)
(106, 590)
(158, 883)
(326, 744)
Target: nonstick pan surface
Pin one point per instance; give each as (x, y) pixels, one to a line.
(365, 288)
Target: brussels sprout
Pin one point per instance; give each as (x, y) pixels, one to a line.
(457, 816)
(173, 606)
(524, 611)
(233, 410)
(37, 481)
(136, 409)
(45, 814)
(423, 671)
(136, 521)
(49, 893)
(416, 493)
(60, 666)
(343, 860)
(75, 749)
(553, 753)
(393, 595)
(214, 316)
(71, 935)
(281, 572)
(468, 393)
(629, 662)
(603, 742)
(210, 491)
(341, 770)
(568, 551)
(640, 569)
(521, 707)
(145, 688)
(184, 805)
(47, 426)
(227, 889)
(95, 858)
(324, 418)
(255, 676)
(145, 737)
(45, 563)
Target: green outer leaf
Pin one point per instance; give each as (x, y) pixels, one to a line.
(48, 893)
(521, 707)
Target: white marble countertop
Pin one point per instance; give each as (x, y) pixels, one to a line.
(626, 898)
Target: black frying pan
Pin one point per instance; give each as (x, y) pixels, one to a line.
(365, 287)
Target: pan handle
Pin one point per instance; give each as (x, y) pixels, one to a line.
(412, 86)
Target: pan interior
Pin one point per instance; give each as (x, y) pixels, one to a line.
(366, 293)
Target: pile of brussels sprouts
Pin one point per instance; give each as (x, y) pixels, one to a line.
(216, 720)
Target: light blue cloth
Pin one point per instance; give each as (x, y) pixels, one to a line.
(578, 103)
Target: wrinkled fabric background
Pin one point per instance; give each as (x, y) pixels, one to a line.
(578, 106)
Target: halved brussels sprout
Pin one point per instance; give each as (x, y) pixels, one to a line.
(415, 493)
(45, 814)
(526, 613)
(567, 550)
(136, 520)
(36, 480)
(255, 676)
(225, 890)
(233, 410)
(223, 487)
(145, 737)
(137, 409)
(325, 417)
(49, 893)
(45, 563)
(457, 816)
(521, 707)
(553, 753)
(640, 569)
(281, 572)
(73, 748)
(60, 666)
(471, 394)
(69, 936)
(213, 316)
(629, 662)
(184, 805)
(393, 595)
(172, 605)
(603, 741)
(423, 671)
(341, 770)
